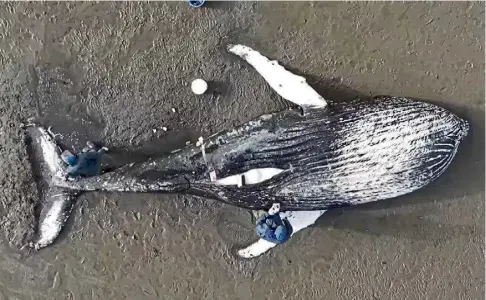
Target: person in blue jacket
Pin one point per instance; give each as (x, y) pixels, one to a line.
(86, 163)
(272, 228)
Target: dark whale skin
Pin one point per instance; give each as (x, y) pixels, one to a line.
(346, 154)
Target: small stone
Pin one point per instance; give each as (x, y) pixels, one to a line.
(164, 128)
(173, 110)
(154, 130)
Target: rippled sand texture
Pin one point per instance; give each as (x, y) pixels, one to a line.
(114, 71)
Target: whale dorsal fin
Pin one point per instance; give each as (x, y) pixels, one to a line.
(289, 86)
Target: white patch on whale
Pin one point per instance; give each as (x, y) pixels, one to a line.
(252, 176)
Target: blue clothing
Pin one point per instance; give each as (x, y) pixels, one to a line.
(71, 159)
(196, 3)
(84, 164)
(273, 229)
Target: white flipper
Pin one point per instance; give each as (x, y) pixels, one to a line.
(256, 249)
(289, 86)
(297, 219)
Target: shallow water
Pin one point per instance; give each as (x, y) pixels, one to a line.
(114, 71)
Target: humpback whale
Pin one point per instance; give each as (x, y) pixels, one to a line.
(299, 163)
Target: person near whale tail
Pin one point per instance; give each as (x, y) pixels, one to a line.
(86, 163)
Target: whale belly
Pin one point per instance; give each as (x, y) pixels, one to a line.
(379, 151)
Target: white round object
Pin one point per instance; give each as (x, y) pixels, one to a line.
(199, 86)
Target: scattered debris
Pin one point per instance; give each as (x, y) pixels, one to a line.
(212, 172)
(200, 143)
(52, 134)
(212, 176)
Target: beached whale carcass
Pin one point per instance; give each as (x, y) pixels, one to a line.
(329, 156)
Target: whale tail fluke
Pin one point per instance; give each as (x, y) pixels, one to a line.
(55, 202)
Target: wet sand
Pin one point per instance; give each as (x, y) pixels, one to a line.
(114, 71)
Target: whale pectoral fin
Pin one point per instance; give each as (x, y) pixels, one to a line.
(289, 86)
(256, 249)
(301, 219)
(297, 219)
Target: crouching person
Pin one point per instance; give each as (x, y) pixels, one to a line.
(272, 228)
(84, 164)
